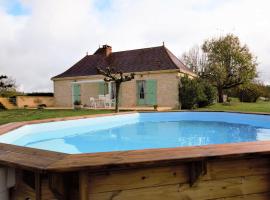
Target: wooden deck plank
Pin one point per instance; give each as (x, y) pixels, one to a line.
(27, 158)
(205, 190)
(46, 160)
(178, 174)
(138, 158)
(260, 196)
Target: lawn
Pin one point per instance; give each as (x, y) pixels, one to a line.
(7, 116)
(260, 106)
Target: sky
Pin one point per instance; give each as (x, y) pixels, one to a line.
(41, 38)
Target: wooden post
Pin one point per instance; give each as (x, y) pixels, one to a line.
(38, 186)
(196, 170)
(83, 185)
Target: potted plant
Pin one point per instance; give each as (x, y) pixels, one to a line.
(155, 107)
(77, 104)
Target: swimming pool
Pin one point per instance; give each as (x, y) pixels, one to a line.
(138, 131)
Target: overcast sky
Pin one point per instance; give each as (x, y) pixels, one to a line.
(42, 38)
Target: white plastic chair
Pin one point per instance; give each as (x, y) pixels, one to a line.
(107, 101)
(112, 102)
(101, 101)
(93, 103)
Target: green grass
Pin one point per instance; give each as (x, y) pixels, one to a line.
(260, 106)
(7, 116)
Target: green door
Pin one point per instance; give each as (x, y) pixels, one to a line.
(146, 92)
(151, 92)
(141, 93)
(76, 92)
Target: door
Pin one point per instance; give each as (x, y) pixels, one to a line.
(76, 92)
(141, 92)
(146, 92)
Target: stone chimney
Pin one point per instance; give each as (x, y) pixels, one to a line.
(105, 50)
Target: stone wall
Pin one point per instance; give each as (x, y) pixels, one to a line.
(62, 93)
(34, 101)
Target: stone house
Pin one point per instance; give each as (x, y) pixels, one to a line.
(157, 74)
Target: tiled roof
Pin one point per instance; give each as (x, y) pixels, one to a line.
(138, 60)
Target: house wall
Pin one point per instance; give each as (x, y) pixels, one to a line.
(62, 93)
(87, 91)
(167, 90)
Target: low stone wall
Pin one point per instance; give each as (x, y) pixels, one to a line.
(5, 102)
(34, 101)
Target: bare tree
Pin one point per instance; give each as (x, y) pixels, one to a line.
(118, 77)
(195, 59)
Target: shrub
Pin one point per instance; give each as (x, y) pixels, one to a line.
(189, 93)
(195, 93)
(210, 93)
(249, 92)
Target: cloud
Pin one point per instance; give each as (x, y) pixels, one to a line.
(53, 35)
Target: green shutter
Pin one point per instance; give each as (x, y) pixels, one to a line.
(151, 92)
(76, 92)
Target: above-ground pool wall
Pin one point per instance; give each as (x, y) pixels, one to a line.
(50, 186)
(230, 179)
(7, 181)
(219, 179)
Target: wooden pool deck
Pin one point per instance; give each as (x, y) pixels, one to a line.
(122, 165)
(43, 160)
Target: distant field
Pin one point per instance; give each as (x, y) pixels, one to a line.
(7, 116)
(260, 106)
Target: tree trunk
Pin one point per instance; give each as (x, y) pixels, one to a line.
(220, 95)
(117, 89)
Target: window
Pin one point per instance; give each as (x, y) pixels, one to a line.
(141, 89)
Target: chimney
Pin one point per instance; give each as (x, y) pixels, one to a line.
(105, 50)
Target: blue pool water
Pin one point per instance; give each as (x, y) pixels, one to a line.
(142, 131)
